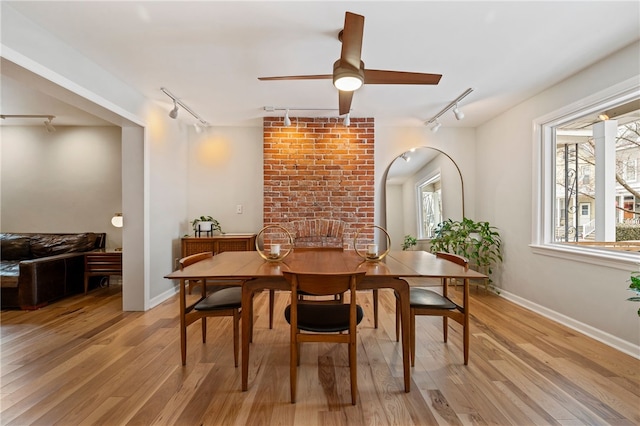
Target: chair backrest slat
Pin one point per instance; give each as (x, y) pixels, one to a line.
(323, 284)
(190, 260)
(460, 260)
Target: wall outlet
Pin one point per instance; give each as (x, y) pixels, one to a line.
(239, 209)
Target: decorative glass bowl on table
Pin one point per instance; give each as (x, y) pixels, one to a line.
(274, 243)
(367, 249)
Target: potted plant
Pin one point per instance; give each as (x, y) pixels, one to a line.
(205, 224)
(477, 241)
(409, 242)
(635, 287)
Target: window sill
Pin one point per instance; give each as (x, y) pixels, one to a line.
(624, 260)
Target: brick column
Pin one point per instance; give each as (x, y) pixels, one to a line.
(318, 168)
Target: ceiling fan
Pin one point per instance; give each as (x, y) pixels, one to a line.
(349, 73)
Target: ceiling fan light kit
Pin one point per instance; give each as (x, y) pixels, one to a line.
(347, 78)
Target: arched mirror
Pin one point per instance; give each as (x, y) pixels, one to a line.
(423, 187)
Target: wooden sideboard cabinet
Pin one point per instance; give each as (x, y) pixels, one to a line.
(101, 263)
(218, 243)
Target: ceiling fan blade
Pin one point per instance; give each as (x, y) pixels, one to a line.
(299, 77)
(399, 77)
(344, 100)
(352, 39)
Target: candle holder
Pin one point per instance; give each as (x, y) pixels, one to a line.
(375, 256)
(280, 254)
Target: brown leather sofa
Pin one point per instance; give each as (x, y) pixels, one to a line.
(37, 268)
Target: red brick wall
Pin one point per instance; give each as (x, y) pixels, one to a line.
(318, 168)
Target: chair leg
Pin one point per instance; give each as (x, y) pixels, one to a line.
(293, 368)
(398, 319)
(183, 344)
(353, 367)
(412, 337)
(272, 298)
(204, 329)
(466, 345)
(236, 335)
(445, 328)
(375, 308)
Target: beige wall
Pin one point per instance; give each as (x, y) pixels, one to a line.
(67, 181)
(589, 296)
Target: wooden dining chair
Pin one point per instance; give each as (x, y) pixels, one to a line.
(215, 301)
(323, 320)
(428, 302)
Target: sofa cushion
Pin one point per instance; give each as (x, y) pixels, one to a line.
(15, 247)
(43, 245)
(9, 273)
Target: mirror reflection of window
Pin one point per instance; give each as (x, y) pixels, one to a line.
(430, 202)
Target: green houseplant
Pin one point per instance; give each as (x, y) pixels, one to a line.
(205, 223)
(409, 242)
(477, 241)
(635, 287)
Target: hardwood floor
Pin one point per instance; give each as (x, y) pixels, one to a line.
(82, 361)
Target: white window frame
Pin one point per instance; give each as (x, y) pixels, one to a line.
(435, 176)
(544, 178)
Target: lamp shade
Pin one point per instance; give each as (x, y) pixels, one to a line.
(117, 220)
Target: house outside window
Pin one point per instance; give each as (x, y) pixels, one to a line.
(588, 189)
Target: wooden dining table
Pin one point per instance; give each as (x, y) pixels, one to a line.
(254, 274)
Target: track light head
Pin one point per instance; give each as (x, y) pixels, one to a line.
(436, 126)
(49, 126)
(347, 120)
(459, 114)
(287, 120)
(174, 112)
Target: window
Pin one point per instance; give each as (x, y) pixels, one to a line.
(430, 202)
(587, 178)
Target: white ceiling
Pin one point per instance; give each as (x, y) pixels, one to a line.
(210, 53)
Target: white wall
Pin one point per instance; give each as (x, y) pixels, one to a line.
(459, 143)
(225, 169)
(586, 296)
(154, 178)
(67, 181)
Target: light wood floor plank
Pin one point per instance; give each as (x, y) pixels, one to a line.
(83, 361)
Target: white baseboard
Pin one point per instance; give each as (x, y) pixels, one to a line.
(606, 338)
(162, 297)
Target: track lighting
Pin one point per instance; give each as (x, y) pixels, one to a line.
(48, 123)
(177, 102)
(459, 114)
(174, 112)
(346, 120)
(453, 105)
